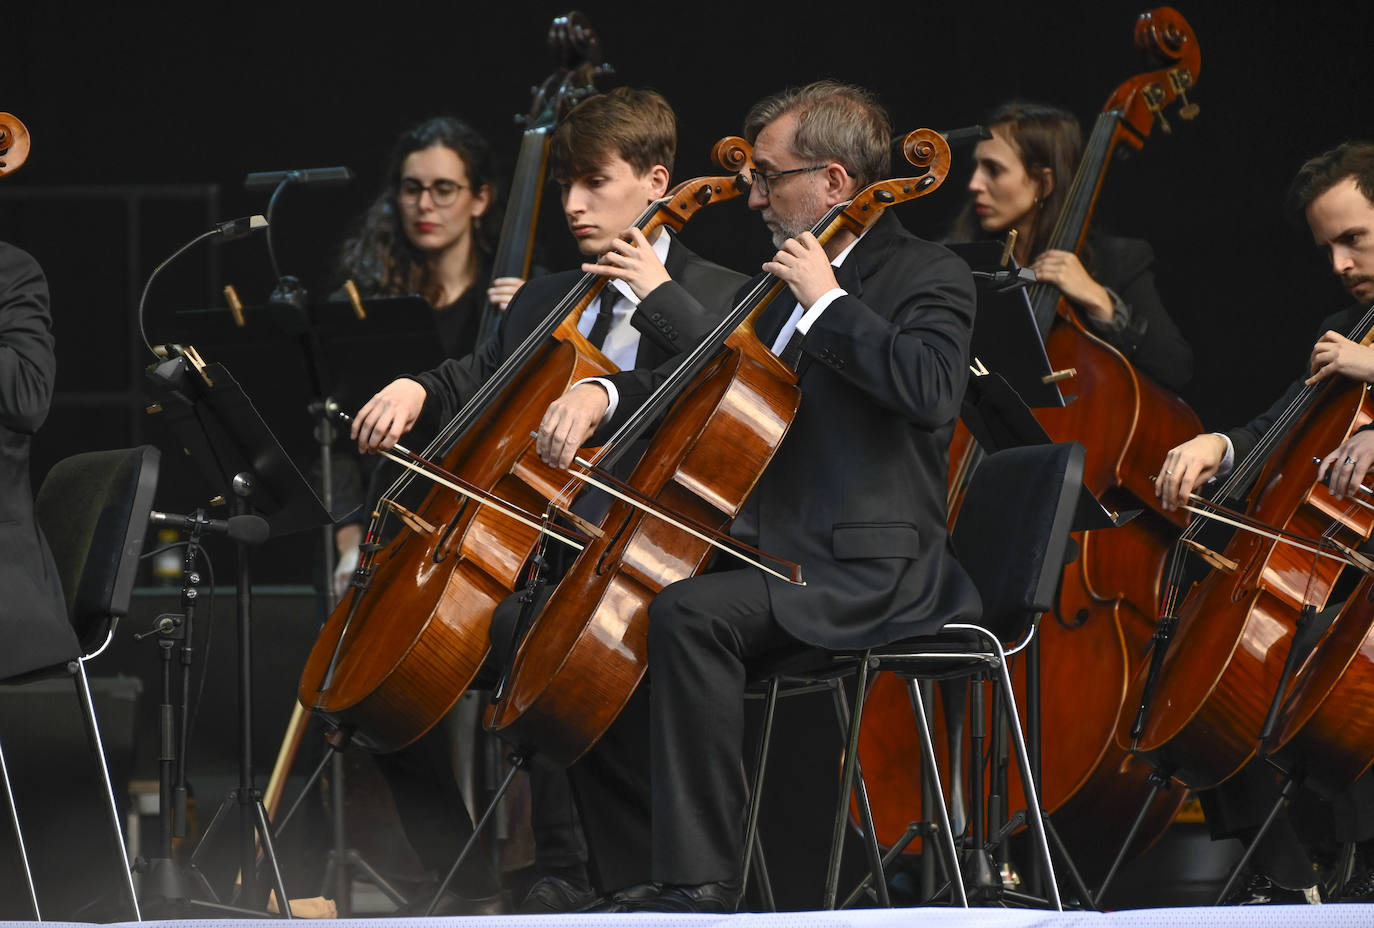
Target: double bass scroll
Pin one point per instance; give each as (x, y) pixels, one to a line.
(580, 61)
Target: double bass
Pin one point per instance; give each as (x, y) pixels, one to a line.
(586, 652)
(1109, 594)
(578, 49)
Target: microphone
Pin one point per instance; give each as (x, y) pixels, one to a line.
(238, 228)
(966, 134)
(250, 530)
(307, 177)
(234, 228)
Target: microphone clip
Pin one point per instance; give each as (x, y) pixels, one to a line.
(1005, 279)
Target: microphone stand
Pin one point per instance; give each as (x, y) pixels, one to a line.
(293, 298)
(165, 881)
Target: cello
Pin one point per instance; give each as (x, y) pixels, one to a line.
(1204, 701)
(412, 633)
(585, 653)
(1325, 734)
(1125, 421)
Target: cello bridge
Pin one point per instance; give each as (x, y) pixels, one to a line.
(412, 521)
(1212, 557)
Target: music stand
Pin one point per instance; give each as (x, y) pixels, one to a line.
(1009, 347)
(243, 462)
(339, 354)
(361, 355)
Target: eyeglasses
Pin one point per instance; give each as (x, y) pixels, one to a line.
(442, 192)
(765, 180)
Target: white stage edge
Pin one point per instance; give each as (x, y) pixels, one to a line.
(1256, 916)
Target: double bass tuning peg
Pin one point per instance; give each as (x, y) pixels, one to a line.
(1188, 111)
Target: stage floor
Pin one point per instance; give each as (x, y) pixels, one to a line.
(1277, 916)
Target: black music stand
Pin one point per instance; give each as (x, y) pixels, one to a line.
(243, 462)
(1012, 371)
(339, 354)
(1008, 349)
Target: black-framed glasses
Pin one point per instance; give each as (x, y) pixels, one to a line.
(442, 192)
(764, 180)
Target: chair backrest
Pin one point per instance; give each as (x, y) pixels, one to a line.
(93, 508)
(1013, 529)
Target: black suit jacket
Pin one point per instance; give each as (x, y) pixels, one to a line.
(33, 611)
(1151, 340)
(856, 491)
(1244, 438)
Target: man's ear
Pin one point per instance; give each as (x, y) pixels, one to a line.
(658, 181)
(839, 185)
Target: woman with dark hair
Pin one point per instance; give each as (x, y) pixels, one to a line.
(432, 229)
(1021, 178)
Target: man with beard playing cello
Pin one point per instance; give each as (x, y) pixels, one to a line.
(1334, 193)
(883, 325)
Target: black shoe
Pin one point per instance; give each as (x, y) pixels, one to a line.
(630, 899)
(1258, 889)
(552, 895)
(714, 898)
(1359, 888)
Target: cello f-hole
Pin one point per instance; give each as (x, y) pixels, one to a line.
(610, 557)
(441, 549)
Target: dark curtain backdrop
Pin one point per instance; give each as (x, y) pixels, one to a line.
(122, 96)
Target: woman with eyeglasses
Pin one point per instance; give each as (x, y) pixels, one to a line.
(432, 229)
(1021, 180)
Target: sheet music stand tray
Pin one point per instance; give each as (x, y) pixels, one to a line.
(1005, 336)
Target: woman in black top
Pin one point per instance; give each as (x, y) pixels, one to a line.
(1020, 181)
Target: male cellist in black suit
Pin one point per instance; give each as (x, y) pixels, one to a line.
(612, 156)
(1334, 194)
(855, 494)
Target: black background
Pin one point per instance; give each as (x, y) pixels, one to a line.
(176, 103)
(153, 96)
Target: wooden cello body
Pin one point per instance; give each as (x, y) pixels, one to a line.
(1092, 640)
(1225, 661)
(586, 652)
(1325, 733)
(397, 654)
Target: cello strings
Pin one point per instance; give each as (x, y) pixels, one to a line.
(666, 517)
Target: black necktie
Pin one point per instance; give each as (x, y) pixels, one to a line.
(604, 315)
(791, 352)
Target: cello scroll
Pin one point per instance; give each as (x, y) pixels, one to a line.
(14, 143)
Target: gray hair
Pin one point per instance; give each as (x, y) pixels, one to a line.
(835, 122)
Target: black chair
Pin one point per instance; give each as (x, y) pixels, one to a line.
(1011, 535)
(93, 509)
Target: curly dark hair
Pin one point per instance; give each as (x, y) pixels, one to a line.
(378, 256)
